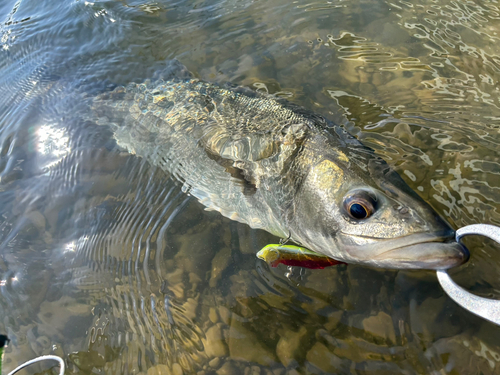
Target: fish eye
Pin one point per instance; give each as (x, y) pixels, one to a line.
(359, 204)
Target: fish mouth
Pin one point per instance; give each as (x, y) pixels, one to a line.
(415, 251)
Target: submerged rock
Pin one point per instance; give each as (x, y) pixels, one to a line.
(380, 326)
(159, 370)
(219, 264)
(214, 363)
(177, 369)
(322, 358)
(452, 355)
(215, 345)
(245, 345)
(289, 348)
(228, 368)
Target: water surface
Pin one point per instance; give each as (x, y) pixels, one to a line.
(108, 264)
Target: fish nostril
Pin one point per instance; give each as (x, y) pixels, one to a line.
(404, 210)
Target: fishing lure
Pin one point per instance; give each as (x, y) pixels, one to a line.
(291, 255)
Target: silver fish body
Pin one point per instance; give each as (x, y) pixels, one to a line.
(275, 166)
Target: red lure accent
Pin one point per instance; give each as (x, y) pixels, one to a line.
(311, 264)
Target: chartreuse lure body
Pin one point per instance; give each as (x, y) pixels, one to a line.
(291, 255)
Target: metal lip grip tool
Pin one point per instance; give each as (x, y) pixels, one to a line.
(485, 308)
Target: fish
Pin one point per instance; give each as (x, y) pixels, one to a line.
(273, 165)
(291, 255)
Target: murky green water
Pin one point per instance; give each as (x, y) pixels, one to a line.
(106, 263)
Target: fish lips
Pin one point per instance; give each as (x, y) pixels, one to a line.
(415, 251)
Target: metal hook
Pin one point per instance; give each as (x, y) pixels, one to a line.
(284, 241)
(486, 308)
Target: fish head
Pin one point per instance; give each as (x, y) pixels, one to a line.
(353, 207)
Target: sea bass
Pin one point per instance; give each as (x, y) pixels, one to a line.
(275, 166)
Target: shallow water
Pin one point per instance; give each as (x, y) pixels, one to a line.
(106, 263)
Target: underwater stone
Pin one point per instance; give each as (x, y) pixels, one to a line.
(219, 264)
(334, 319)
(452, 354)
(288, 349)
(214, 363)
(194, 278)
(320, 357)
(225, 314)
(213, 316)
(227, 368)
(159, 370)
(215, 346)
(177, 369)
(244, 344)
(428, 318)
(380, 325)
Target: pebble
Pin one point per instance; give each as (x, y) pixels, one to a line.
(334, 319)
(177, 369)
(37, 219)
(159, 370)
(290, 346)
(214, 343)
(219, 264)
(453, 354)
(194, 278)
(321, 357)
(244, 344)
(255, 370)
(213, 316)
(227, 369)
(380, 325)
(225, 314)
(214, 363)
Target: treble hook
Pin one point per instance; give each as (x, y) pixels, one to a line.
(284, 241)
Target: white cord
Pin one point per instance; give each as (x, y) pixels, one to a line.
(39, 359)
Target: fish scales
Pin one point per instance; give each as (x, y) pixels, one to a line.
(275, 166)
(199, 132)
